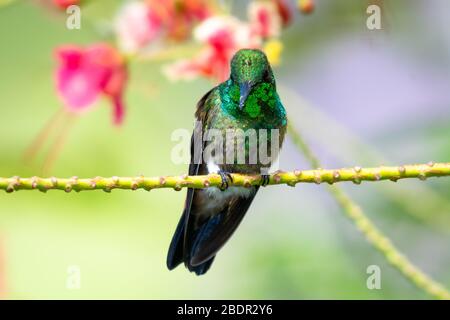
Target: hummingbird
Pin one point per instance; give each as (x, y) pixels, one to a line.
(247, 100)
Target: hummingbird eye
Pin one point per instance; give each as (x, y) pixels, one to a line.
(266, 75)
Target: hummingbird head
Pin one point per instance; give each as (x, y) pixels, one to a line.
(250, 67)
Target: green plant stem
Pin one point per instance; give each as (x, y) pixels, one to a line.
(372, 233)
(355, 175)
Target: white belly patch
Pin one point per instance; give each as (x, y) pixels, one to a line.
(219, 195)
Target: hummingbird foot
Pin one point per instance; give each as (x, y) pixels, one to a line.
(265, 179)
(226, 179)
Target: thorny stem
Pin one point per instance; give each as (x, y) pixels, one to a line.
(370, 231)
(355, 175)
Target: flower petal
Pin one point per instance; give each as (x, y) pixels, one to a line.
(83, 74)
(136, 25)
(265, 19)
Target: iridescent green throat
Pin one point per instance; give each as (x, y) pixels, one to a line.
(262, 103)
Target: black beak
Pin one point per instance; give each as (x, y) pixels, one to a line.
(244, 89)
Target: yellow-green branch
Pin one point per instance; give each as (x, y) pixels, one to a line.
(381, 242)
(355, 175)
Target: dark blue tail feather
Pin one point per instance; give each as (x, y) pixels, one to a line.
(175, 255)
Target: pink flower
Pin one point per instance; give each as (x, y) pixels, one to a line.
(85, 73)
(265, 19)
(222, 37)
(139, 23)
(136, 25)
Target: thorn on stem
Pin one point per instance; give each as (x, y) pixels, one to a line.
(297, 173)
(33, 182)
(336, 175)
(317, 178)
(10, 188)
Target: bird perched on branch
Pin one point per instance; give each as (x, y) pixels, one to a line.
(246, 102)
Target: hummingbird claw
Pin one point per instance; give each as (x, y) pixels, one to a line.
(265, 179)
(226, 179)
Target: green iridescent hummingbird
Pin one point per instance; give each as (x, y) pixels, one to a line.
(247, 100)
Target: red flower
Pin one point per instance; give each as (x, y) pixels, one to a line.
(265, 19)
(85, 73)
(222, 36)
(179, 16)
(63, 4)
(285, 12)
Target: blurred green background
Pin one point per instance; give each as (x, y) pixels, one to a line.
(361, 97)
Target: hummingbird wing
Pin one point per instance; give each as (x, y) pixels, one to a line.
(176, 249)
(218, 228)
(176, 253)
